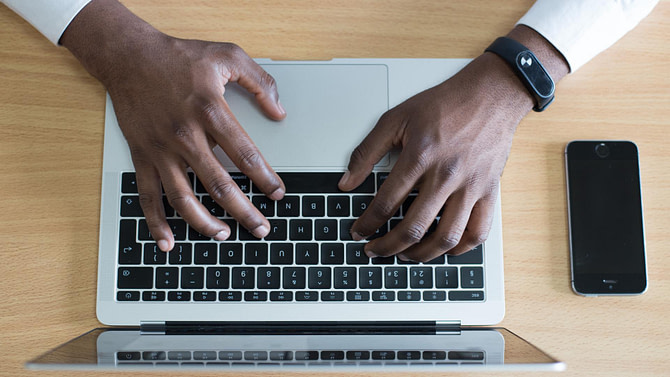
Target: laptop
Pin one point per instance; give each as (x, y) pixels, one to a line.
(306, 296)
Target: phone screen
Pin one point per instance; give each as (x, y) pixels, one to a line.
(605, 215)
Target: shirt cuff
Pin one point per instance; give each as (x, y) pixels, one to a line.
(49, 17)
(580, 30)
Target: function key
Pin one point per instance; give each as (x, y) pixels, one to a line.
(434, 355)
(153, 296)
(383, 355)
(332, 355)
(281, 355)
(230, 355)
(409, 355)
(179, 355)
(127, 356)
(307, 355)
(179, 296)
(128, 183)
(128, 296)
(358, 355)
(153, 355)
(204, 355)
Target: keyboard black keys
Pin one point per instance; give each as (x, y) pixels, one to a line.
(192, 277)
(268, 278)
(289, 206)
(217, 277)
(370, 277)
(167, 277)
(319, 277)
(332, 253)
(344, 278)
(325, 230)
(472, 277)
(180, 254)
(230, 253)
(307, 253)
(206, 253)
(313, 206)
(135, 278)
(294, 278)
(243, 277)
(281, 253)
(130, 251)
(256, 253)
(421, 277)
(395, 277)
(300, 230)
(338, 206)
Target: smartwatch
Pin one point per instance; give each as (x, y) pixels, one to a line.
(529, 69)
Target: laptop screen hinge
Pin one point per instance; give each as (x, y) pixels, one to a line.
(447, 327)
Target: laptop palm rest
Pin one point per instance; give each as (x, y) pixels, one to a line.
(330, 109)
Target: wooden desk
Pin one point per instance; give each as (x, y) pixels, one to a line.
(51, 127)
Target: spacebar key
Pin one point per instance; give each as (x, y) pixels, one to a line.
(321, 183)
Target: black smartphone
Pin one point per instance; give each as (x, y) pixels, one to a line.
(607, 247)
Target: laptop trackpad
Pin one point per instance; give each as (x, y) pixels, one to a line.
(330, 107)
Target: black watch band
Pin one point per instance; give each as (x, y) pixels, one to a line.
(529, 69)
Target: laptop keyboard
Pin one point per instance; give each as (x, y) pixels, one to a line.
(309, 255)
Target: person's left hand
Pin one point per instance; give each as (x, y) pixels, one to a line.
(455, 140)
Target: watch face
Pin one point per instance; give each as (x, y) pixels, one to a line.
(536, 76)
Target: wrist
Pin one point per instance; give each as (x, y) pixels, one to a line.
(103, 37)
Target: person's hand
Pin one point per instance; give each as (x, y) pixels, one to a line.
(455, 140)
(168, 99)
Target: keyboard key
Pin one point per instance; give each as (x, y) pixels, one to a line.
(438, 260)
(307, 253)
(179, 296)
(206, 253)
(194, 235)
(179, 355)
(345, 229)
(143, 233)
(306, 296)
(212, 206)
(128, 183)
(255, 296)
(466, 296)
(230, 355)
(358, 296)
(332, 253)
(178, 227)
(474, 256)
(128, 296)
(383, 355)
(332, 296)
(409, 355)
(204, 355)
(230, 296)
(135, 278)
(192, 277)
(289, 206)
(383, 260)
(255, 355)
(332, 355)
(325, 230)
(355, 254)
(281, 355)
(383, 296)
(231, 253)
(281, 296)
(434, 355)
(446, 277)
(204, 296)
(379, 232)
(381, 178)
(395, 277)
(281, 253)
(370, 277)
(268, 278)
(338, 206)
(242, 181)
(294, 278)
(264, 204)
(472, 277)
(243, 277)
(217, 277)
(128, 356)
(300, 230)
(167, 277)
(256, 253)
(180, 254)
(358, 355)
(130, 252)
(360, 204)
(326, 183)
(307, 355)
(466, 355)
(409, 295)
(277, 230)
(421, 277)
(130, 206)
(153, 296)
(434, 296)
(319, 277)
(344, 278)
(313, 206)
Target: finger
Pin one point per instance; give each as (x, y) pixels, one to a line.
(416, 222)
(180, 196)
(242, 151)
(257, 81)
(449, 231)
(369, 152)
(228, 195)
(391, 194)
(151, 201)
(479, 225)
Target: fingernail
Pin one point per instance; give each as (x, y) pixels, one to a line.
(345, 178)
(277, 194)
(163, 245)
(222, 235)
(261, 231)
(281, 108)
(403, 258)
(357, 236)
(370, 254)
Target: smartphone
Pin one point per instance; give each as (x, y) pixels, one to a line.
(607, 247)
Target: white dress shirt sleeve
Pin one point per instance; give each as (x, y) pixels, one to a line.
(49, 17)
(581, 29)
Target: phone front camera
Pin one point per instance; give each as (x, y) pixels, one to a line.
(602, 150)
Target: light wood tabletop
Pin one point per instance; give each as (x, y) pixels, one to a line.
(51, 137)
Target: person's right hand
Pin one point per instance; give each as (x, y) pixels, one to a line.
(168, 99)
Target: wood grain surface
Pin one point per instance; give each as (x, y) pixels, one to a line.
(51, 130)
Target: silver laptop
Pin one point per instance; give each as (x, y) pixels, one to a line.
(307, 296)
